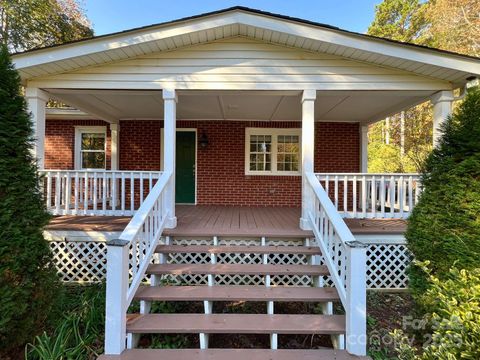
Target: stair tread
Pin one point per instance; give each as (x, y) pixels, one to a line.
(236, 293)
(236, 323)
(231, 269)
(233, 354)
(304, 250)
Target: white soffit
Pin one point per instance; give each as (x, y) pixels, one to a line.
(254, 24)
(343, 106)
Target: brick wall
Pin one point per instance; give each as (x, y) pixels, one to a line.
(60, 142)
(221, 175)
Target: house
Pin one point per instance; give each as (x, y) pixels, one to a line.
(225, 137)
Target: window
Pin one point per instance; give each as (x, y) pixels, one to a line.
(272, 151)
(90, 147)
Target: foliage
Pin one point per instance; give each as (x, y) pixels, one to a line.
(27, 24)
(444, 227)
(454, 319)
(78, 335)
(454, 25)
(401, 20)
(28, 280)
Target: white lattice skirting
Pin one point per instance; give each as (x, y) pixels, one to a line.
(84, 260)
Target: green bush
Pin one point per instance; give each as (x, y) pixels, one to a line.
(78, 334)
(455, 321)
(29, 286)
(444, 227)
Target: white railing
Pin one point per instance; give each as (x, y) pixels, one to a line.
(128, 258)
(96, 192)
(346, 261)
(368, 195)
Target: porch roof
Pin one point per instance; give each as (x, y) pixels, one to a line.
(255, 24)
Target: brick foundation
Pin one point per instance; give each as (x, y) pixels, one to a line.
(221, 178)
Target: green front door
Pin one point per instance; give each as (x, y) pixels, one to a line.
(185, 167)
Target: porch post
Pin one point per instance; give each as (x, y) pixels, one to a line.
(37, 101)
(442, 108)
(114, 129)
(308, 143)
(364, 148)
(169, 136)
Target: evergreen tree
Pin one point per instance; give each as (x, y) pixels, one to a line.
(444, 227)
(29, 286)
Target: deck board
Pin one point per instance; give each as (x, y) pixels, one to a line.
(228, 221)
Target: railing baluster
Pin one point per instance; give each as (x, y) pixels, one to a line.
(336, 192)
(122, 194)
(68, 193)
(364, 196)
(132, 193)
(114, 193)
(345, 195)
(392, 196)
(141, 188)
(382, 195)
(95, 192)
(401, 195)
(354, 196)
(57, 193)
(85, 195)
(374, 196)
(104, 192)
(75, 193)
(49, 190)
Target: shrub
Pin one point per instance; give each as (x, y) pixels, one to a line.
(455, 321)
(78, 334)
(28, 282)
(444, 227)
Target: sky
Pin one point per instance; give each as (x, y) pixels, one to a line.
(109, 16)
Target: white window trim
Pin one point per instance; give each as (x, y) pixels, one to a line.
(79, 130)
(274, 132)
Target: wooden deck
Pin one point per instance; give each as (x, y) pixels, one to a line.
(228, 221)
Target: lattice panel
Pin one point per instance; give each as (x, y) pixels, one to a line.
(387, 265)
(85, 261)
(80, 261)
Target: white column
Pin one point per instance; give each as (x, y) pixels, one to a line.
(442, 108)
(363, 148)
(169, 135)
(308, 146)
(36, 101)
(116, 297)
(114, 153)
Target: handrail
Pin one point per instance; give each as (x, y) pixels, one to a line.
(340, 228)
(345, 259)
(129, 256)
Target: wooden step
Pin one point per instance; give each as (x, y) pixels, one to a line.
(235, 324)
(205, 249)
(233, 354)
(236, 293)
(233, 269)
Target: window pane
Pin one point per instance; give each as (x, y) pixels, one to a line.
(288, 150)
(260, 152)
(92, 141)
(93, 160)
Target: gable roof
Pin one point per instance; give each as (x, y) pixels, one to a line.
(260, 25)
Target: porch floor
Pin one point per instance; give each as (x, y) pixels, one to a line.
(228, 221)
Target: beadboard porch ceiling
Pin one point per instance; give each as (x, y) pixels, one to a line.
(347, 106)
